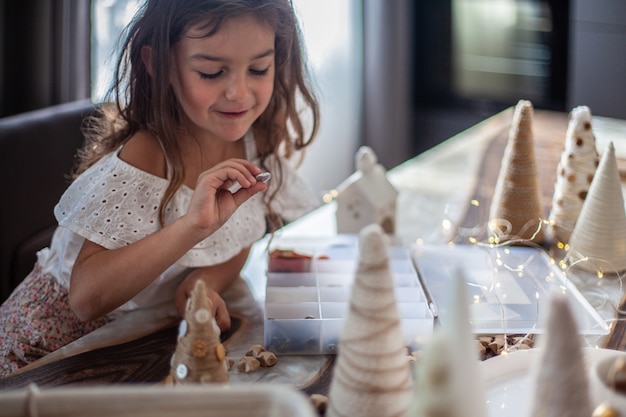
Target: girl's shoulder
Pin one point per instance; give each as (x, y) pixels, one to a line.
(114, 203)
(144, 152)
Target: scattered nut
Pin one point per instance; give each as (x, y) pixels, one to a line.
(320, 402)
(267, 359)
(497, 344)
(523, 340)
(485, 340)
(521, 346)
(248, 364)
(254, 350)
(229, 362)
(482, 348)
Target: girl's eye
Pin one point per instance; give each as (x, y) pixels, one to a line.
(212, 76)
(259, 72)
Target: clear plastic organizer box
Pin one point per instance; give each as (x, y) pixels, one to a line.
(508, 287)
(307, 297)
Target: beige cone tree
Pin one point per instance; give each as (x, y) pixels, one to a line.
(516, 211)
(575, 172)
(559, 374)
(598, 241)
(200, 357)
(450, 362)
(372, 377)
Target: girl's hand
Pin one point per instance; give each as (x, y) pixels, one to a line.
(212, 204)
(217, 279)
(218, 306)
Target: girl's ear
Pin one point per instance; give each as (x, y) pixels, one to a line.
(146, 57)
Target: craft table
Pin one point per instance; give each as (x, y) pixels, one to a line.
(444, 197)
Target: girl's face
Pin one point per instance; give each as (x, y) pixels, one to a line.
(224, 82)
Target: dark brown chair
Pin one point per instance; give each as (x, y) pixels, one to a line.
(37, 151)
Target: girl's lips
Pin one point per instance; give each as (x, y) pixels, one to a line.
(234, 115)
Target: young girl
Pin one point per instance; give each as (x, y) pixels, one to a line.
(207, 93)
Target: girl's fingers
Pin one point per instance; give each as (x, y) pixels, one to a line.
(222, 318)
(244, 194)
(233, 174)
(211, 203)
(235, 186)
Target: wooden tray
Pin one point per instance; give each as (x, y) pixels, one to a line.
(223, 400)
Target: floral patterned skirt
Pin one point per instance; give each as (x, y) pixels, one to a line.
(36, 320)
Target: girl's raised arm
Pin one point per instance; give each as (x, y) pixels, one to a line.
(103, 279)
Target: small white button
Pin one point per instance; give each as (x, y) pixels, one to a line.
(181, 371)
(182, 328)
(203, 315)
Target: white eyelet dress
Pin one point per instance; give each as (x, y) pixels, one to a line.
(115, 204)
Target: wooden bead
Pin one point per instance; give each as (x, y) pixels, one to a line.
(220, 352)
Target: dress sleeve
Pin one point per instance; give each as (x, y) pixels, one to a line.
(115, 204)
(112, 204)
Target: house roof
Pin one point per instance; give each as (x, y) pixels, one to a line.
(373, 185)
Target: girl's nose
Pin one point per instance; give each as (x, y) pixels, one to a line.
(237, 88)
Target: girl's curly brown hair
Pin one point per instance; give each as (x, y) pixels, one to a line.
(139, 101)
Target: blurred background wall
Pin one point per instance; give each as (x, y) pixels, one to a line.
(44, 53)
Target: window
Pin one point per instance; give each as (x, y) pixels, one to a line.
(500, 50)
(108, 18)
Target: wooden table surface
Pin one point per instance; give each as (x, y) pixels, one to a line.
(146, 360)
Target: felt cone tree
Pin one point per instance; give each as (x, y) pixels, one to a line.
(200, 357)
(372, 376)
(575, 172)
(560, 373)
(516, 211)
(598, 241)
